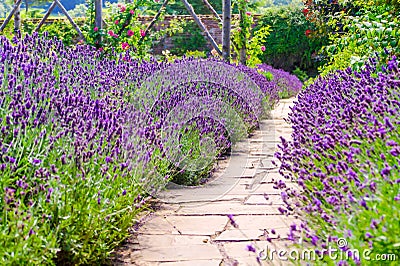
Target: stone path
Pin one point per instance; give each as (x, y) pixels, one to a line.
(191, 226)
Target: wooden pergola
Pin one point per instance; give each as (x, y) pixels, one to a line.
(98, 4)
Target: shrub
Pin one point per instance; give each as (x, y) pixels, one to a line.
(288, 45)
(84, 139)
(288, 85)
(345, 159)
(190, 39)
(67, 170)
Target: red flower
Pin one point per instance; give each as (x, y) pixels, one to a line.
(305, 11)
(308, 32)
(130, 33)
(124, 46)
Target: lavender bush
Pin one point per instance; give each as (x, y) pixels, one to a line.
(288, 85)
(345, 158)
(69, 176)
(84, 139)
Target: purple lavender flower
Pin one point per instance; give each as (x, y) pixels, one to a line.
(232, 221)
(251, 248)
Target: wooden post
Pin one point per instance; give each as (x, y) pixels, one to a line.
(226, 30)
(70, 19)
(26, 6)
(153, 21)
(201, 25)
(8, 18)
(17, 17)
(98, 17)
(242, 51)
(53, 5)
(98, 7)
(210, 7)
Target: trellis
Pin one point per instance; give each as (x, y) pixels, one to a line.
(226, 21)
(15, 12)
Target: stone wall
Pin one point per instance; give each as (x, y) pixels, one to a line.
(209, 21)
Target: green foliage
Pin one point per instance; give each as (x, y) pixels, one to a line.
(287, 45)
(375, 33)
(244, 37)
(4, 9)
(268, 75)
(302, 75)
(196, 54)
(189, 39)
(124, 31)
(79, 11)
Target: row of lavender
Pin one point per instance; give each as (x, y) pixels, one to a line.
(345, 158)
(84, 139)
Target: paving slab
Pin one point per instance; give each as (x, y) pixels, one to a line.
(264, 200)
(222, 208)
(198, 225)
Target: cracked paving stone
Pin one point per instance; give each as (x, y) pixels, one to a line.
(223, 208)
(198, 225)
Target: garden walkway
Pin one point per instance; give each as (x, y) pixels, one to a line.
(191, 226)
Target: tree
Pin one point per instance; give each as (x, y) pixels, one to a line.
(4, 9)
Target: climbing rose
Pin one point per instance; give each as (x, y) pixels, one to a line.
(130, 33)
(96, 29)
(142, 33)
(248, 13)
(111, 33)
(263, 48)
(132, 12)
(122, 8)
(125, 45)
(116, 22)
(308, 32)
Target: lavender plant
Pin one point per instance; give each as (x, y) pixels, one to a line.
(288, 85)
(344, 157)
(69, 176)
(81, 144)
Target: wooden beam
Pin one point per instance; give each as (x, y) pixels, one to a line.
(70, 19)
(226, 30)
(201, 25)
(242, 51)
(53, 5)
(211, 8)
(17, 18)
(153, 21)
(98, 19)
(16, 6)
